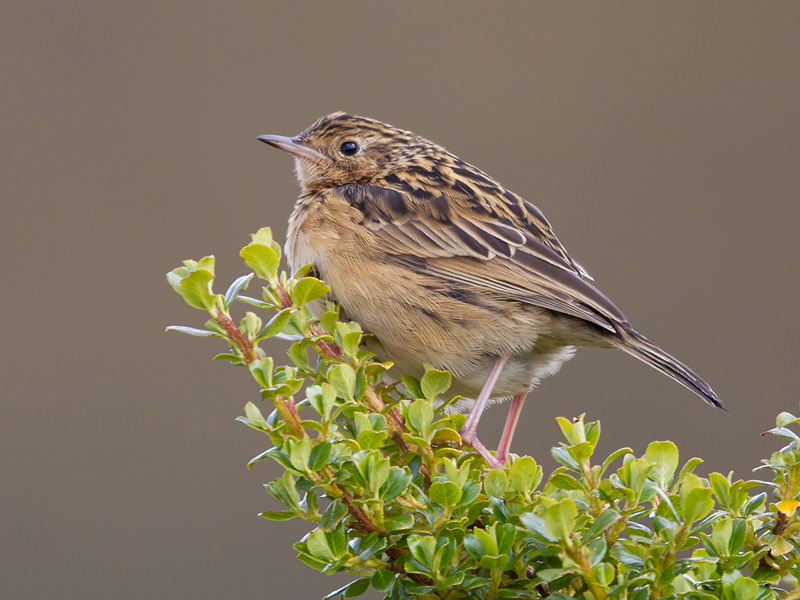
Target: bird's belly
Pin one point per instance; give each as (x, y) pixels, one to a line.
(417, 319)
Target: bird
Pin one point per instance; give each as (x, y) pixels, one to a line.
(446, 267)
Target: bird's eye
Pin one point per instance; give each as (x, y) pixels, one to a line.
(348, 148)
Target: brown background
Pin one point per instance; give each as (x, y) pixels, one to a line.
(661, 139)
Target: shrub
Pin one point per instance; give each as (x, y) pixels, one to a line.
(379, 471)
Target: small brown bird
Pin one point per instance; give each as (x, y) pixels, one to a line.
(445, 266)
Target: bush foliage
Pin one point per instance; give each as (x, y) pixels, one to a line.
(379, 471)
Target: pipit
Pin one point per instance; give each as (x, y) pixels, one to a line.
(446, 267)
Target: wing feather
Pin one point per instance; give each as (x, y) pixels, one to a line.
(469, 246)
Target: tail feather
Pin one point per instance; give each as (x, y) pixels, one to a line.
(640, 347)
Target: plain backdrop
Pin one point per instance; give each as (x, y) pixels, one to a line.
(662, 140)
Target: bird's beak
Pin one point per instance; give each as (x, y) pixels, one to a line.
(293, 146)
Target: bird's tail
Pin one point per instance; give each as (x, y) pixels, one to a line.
(639, 346)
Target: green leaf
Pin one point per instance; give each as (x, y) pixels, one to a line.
(262, 259)
(299, 356)
(562, 481)
(343, 378)
(697, 504)
(470, 490)
(414, 388)
(664, 457)
(276, 324)
(192, 331)
(175, 277)
(308, 289)
(560, 518)
(494, 562)
(474, 547)
(277, 516)
(254, 416)
(328, 321)
(318, 547)
(262, 371)
(563, 457)
(627, 557)
(358, 587)
(413, 590)
(495, 483)
(403, 521)
(600, 524)
(350, 343)
(420, 417)
(196, 290)
(523, 474)
(235, 288)
(687, 469)
(754, 503)
(434, 382)
(256, 459)
(446, 494)
(581, 452)
(721, 536)
(634, 473)
(284, 489)
(383, 580)
(264, 237)
(568, 430)
(198, 274)
(396, 483)
(603, 574)
(333, 515)
(423, 548)
(371, 440)
(320, 454)
(251, 324)
(537, 526)
(378, 474)
(299, 452)
(470, 583)
(745, 589)
(721, 488)
(549, 575)
(487, 541)
(738, 536)
(505, 535)
(322, 399)
(612, 457)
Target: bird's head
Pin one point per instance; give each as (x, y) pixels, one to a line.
(340, 148)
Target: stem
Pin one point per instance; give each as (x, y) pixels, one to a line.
(395, 421)
(284, 298)
(287, 410)
(326, 349)
(235, 336)
(669, 559)
(780, 524)
(364, 523)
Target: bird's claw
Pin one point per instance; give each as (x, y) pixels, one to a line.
(471, 439)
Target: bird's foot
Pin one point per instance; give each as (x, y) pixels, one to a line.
(471, 439)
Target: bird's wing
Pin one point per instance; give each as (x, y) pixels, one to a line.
(446, 238)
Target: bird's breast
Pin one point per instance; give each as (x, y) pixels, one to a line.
(319, 231)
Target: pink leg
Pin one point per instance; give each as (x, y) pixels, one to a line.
(469, 433)
(511, 424)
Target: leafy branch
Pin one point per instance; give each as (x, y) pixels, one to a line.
(394, 497)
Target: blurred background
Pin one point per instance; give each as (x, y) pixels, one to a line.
(662, 140)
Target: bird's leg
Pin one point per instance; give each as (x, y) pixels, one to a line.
(511, 424)
(469, 433)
